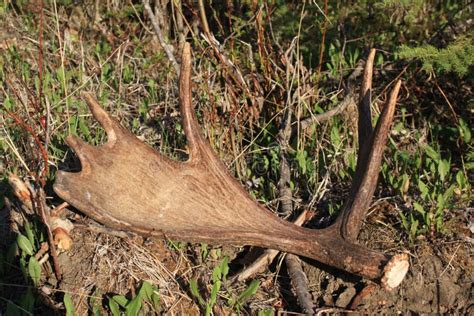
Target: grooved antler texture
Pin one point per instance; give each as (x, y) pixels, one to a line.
(127, 185)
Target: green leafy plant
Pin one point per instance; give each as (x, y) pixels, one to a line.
(266, 312)
(29, 265)
(147, 293)
(243, 297)
(95, 303)
(34, 270)
(340, 60)
(219, 274)
(457, 57)
(68, 304)
(219, 277)
(28, 245)
(435, 188)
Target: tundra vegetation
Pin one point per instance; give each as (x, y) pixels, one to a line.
(257, 65)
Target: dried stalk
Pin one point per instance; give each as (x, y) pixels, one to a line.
(159, 33)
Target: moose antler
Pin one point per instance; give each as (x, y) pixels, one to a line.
(127, 185)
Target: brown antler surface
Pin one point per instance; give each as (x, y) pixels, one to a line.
(127, 185)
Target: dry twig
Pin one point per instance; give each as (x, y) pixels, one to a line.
(366, 291)
(159, 33)
(300, 283)
(349, 99)
(43, 212)
(202, 12)
(314, 119)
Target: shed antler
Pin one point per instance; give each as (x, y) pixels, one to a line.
(127, 185)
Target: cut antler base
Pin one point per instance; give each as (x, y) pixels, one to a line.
(127, 185)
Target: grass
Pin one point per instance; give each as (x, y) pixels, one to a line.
(425, 173)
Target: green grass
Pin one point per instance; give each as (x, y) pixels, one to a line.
(220, 289)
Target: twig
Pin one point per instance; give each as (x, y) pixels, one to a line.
(40, 77)
(159, 34)
(348, 101)
(43, 249)
(325, 14)
(48, 124)
(309, 121)
(62, 54)
(323, 37)
(44, 155)
(5, 136)
(178, 17)
(455, 116)
(295, 271)
(44, 215)
(300, 283)
(284, 191)
(257, 266)
(450, 260)
(232, 70)
(40, 54)
(58, 209)
(202, 11)
(331, 311)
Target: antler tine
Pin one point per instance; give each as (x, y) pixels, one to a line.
(365, 130)
(197, 144)
(360, 197)
(111, 127)
(199, 148)
(365, 96)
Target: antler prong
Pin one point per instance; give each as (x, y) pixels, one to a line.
(365, 96)
(196, 142)
(111, 127)
(368, 169)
